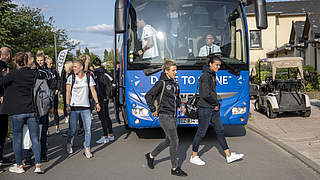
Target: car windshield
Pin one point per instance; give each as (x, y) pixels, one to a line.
(185, 31)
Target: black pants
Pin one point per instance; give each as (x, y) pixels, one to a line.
(44, 120)
(3, 132)
(64, 103)
(104, 117)
(55, 109)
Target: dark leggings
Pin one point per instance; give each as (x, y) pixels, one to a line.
(55, 109)
(3, 132)
(105, 118)
(205, 116)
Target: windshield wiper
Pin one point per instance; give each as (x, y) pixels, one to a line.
(234, 71)
(151, 71)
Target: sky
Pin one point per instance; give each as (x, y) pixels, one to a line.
(89, 22)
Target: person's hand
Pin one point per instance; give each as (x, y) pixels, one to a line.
(98, 107)
(51, 110)
(68, 109)
(216, 108)
(155, 114)
(1, 99)
(140, 52)
(184, 111)
(56, 92)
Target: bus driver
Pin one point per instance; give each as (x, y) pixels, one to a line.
(209, 47)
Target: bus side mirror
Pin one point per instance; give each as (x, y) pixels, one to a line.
(120, 16)
(261, 14)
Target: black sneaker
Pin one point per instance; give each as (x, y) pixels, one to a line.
(178, 172)
(6, 162)
(149, 161)
(44, 159)
(28, 161)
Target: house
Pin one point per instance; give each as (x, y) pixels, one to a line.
(293, 30)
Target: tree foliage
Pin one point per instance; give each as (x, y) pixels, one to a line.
(26, 29)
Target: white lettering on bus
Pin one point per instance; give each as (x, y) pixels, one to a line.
(222, 80)
(191, 80)
(154, 79)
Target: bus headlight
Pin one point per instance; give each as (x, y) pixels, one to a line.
(239, 110)
(140, 111)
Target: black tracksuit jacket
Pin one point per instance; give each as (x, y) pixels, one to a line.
(171, 97)
(207, 89)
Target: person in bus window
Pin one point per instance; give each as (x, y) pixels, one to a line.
(209, 47)
(167, 113)
(149, 40)
(209, 110)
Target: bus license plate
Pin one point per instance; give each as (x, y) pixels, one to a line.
(188, 121)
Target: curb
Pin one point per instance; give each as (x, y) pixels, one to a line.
(288, 149)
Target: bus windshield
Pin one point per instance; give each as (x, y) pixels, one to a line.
(185, 31)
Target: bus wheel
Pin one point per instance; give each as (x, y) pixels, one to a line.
(306, 114)
(270, 113)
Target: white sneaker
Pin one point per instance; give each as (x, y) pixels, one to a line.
(234, 157)
(66, 120)
(111, 138)
(16, 169)
(87, 153)
(102, 140)
(57, 130)
(196, 160)
(69, 149)
(38, 170)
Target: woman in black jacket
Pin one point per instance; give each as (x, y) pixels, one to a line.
(18, 85)
(167, 115)
(209, 110)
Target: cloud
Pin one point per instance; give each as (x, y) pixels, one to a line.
(105, 29)
(43, 8)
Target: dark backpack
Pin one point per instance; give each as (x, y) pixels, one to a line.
(43, 96)
(192, 106)
(105, 85)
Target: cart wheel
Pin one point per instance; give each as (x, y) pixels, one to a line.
(256, 105)
(306, 114)
(270, 113)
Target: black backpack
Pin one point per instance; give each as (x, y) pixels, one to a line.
(192, 106)
(105, 85)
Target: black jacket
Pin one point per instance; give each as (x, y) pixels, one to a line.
(207, 89)
(170, 99)
(18, 86)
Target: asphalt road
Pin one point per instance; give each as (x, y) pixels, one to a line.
(124, 158)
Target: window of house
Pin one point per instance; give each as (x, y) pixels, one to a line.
(255, 39)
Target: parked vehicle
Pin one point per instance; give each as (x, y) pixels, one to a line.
(282, 95)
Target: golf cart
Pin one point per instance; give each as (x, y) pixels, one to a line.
(277, 95)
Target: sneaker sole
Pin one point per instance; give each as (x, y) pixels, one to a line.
(198, 164)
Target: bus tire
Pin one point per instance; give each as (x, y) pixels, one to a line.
(269, 112)
(306, 114)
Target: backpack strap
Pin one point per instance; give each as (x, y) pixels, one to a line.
(164, 85)
(73, 76)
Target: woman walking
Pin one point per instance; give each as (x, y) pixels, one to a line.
(79, 85)
(169, 102)
(18, 85)
(209, 110)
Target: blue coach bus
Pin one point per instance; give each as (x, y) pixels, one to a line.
(178, 30)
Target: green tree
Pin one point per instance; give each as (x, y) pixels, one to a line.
(26, 29)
